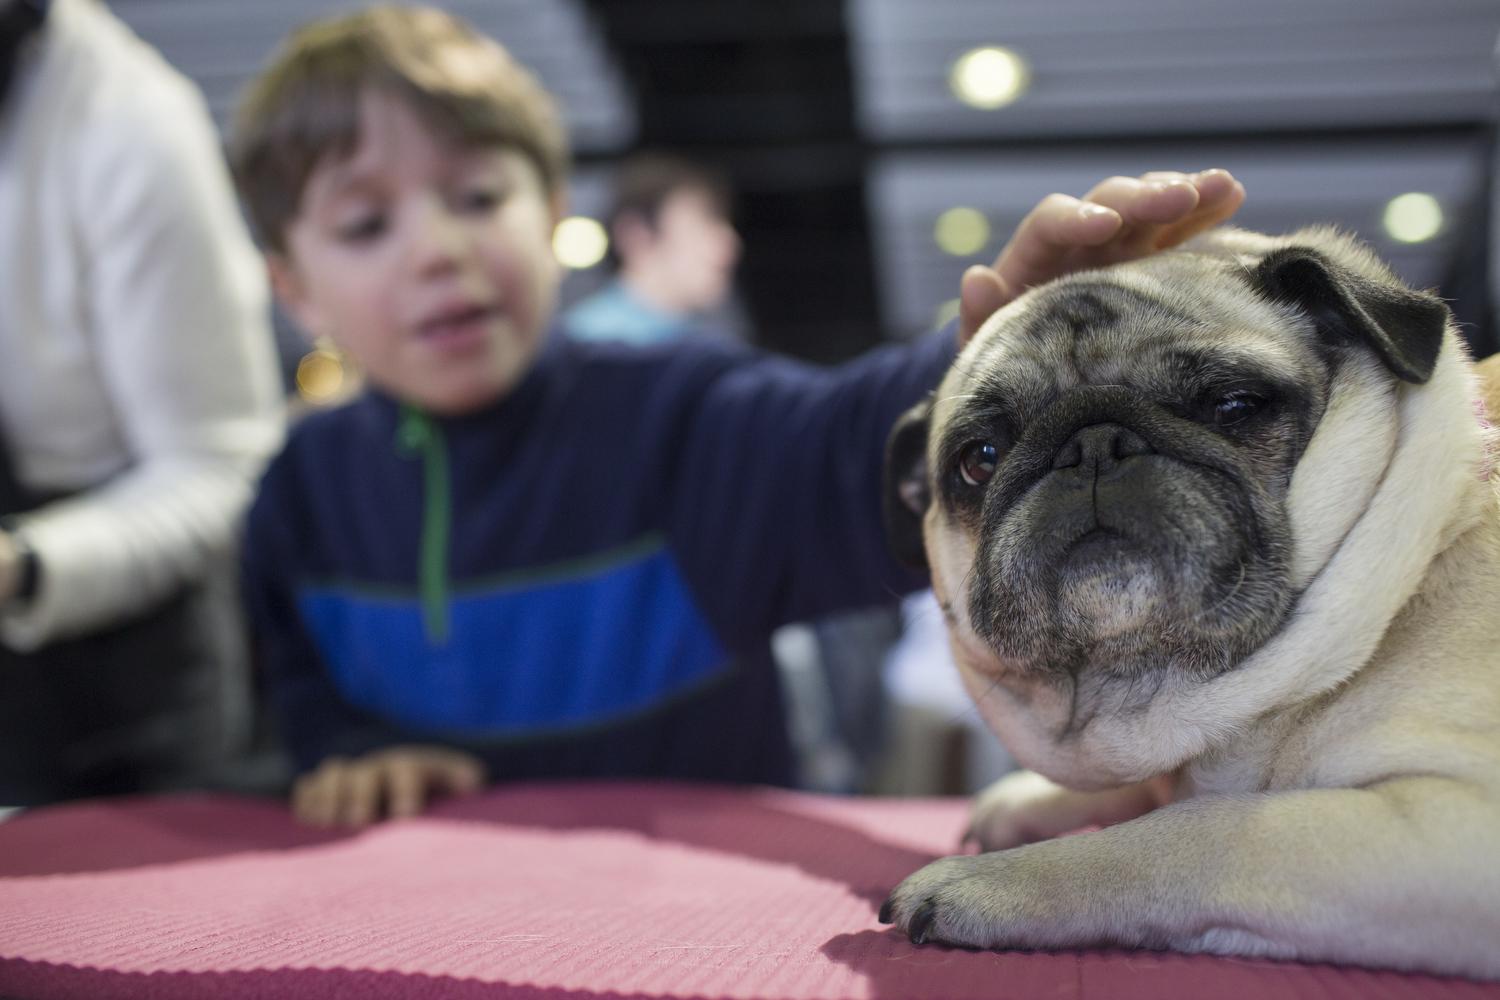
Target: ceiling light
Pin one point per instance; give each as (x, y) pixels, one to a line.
(989, 77)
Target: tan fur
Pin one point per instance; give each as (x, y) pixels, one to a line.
(1336, 797)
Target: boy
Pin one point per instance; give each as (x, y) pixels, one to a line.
(518, 556)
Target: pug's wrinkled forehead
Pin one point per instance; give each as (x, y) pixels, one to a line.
(1183, 329)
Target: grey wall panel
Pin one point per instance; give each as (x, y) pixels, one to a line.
(1112, 67)
(221, 44)
(1345, 182)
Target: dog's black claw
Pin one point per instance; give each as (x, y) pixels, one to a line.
(921, 923)
(884, 916)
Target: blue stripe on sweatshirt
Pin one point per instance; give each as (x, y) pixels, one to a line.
(559, 649)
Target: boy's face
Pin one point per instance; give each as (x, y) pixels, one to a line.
(430, 264)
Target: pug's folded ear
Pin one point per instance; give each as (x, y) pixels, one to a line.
(906, 491)
(1403, 327)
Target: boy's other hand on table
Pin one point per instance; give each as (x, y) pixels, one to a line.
(1122, 218)
(396, 781)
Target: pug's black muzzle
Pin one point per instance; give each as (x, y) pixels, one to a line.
(1110, 487)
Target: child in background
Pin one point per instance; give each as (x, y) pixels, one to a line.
(521, 556)
(674, 251)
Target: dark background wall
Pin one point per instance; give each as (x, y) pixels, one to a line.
(766, 91)
(836, 122)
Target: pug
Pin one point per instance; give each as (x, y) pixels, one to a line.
(1218, 547)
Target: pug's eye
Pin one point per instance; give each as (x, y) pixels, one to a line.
(977, 461)
(1236, 406)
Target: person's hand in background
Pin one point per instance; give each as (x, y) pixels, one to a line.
(1122, 218)
(10, 566)
(394, 782)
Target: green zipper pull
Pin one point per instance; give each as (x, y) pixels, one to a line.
(418, 435)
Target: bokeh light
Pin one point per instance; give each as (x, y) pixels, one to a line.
(579, 242)
(321, 375)
(945, 313)
(1414, 217)
(961, 231)
(989, 77)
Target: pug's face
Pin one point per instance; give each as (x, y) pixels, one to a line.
(1102, 480)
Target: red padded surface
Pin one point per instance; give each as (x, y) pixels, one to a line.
(554, 892)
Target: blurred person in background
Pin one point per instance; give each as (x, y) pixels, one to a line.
(138, 400)
(674, 248)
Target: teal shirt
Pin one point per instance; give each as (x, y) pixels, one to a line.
(615, 314)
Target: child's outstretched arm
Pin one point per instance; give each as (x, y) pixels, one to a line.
(777, 486)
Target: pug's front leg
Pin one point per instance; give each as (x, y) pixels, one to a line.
(1331, 875)
(1051, 894)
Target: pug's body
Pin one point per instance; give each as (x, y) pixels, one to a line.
(1219, 550)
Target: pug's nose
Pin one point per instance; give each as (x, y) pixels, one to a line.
(1100, 447)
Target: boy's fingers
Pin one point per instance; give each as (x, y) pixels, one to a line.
(330, 785)
(302, 797)
(1048, 237)
(458, 773)
(1167, 175)
(451, 771)
(359, 794)
(1216, 183)
(1219, 199)
(1163, 208)
(405, 787)
(316, 796)
(1164, 200)
(981, 294)
(1119, 219)
(1145, 206)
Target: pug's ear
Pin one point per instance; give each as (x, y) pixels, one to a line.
(1403, 327)
(906, 491)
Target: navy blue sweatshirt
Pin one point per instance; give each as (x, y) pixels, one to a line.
(581, 580)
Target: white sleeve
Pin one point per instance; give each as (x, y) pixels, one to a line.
(178, 310)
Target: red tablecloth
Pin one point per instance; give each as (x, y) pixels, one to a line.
(553, 892)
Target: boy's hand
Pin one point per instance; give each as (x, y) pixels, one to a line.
(1120, 219)
(397, 781)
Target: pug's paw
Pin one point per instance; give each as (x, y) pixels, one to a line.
(960, 901)
(1018, 809)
